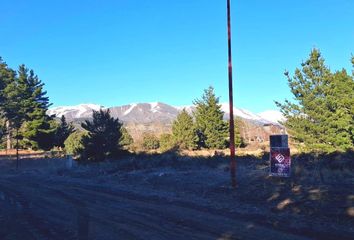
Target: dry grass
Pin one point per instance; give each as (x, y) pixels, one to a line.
(9, 154)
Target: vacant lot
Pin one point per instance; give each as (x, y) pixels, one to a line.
(173, 197)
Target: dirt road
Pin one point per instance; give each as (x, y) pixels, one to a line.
(66, 205)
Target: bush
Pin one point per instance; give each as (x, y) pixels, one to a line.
(73, 143)
(126, 139)
(150, 142)
(166, 142)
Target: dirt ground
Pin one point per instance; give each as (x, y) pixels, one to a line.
(171, 197)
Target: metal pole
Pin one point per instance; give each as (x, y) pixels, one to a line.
(232, 127)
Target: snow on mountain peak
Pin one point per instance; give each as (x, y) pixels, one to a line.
(77, 111)
(241, 112)
(154, 107)
(159, 110)
(272, 116)
(91, 106)
(132, 106)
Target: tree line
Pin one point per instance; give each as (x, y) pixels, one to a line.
(320, 117)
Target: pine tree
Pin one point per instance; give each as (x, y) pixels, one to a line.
(39, 129)
(103, 136)
(212, 129)
(184, 131)
(62, 132)
(7, 76)
(322, 115)
(12, 105)
(24, 104)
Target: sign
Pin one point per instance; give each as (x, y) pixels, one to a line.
(280, 162)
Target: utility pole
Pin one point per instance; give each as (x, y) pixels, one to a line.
(232, 124)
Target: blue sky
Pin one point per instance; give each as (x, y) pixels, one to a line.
(123, 51)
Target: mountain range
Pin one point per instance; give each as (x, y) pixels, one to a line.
(157, 118)
(157, 112)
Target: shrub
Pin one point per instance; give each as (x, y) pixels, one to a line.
(166, 142)
(126, 139)
(150, 142)
(73, 143)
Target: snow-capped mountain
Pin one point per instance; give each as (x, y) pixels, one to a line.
(74, 112)
(157, 118)
(157, 112)
(272, 116)
(135, 112)
(266, 117)
(242, 113)
(145, 112)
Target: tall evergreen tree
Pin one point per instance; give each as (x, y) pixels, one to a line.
(321, 117)
(212, 129)
(39, 128)
(184, 131)
(62, 132)
(12, 107)
(7, 76)
(102, 140)
(24, 104)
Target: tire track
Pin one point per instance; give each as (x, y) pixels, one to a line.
(29, 224)
(135, 213)
(100, 212)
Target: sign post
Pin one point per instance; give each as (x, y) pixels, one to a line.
(280, 160)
